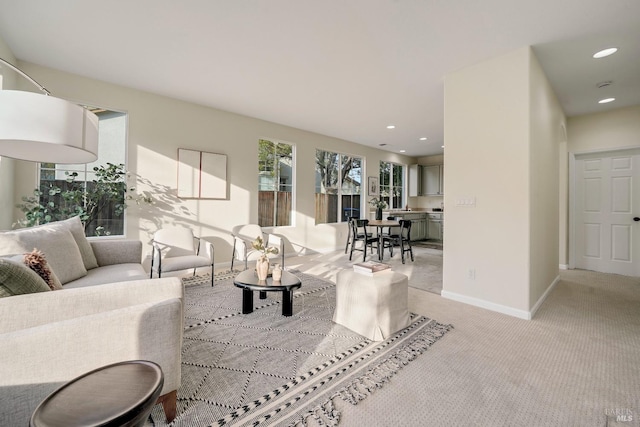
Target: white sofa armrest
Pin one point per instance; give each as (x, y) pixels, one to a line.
(49, 338)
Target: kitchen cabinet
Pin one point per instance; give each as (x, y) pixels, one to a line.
(434, 226)
(418, 229)
(415, 180)
(418, 223)
(432, 180)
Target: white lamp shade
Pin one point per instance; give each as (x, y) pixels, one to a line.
(41, 128)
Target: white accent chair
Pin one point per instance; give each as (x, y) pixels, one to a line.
(176, 249)
(243, 237)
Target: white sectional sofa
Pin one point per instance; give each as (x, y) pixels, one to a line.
(48, 338)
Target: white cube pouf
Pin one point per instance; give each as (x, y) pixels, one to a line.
(373, 306)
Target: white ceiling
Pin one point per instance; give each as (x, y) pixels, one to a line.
(343, 68)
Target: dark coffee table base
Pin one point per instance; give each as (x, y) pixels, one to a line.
(249, 283)
(247, 301)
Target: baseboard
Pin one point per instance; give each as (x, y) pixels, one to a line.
(477, 302)
(544, 296)
(564, 266)
(521, 314)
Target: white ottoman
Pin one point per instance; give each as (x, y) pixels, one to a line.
(373, 306)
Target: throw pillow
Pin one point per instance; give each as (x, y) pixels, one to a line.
(18, 279)
(62, 251)
(36, 261)
(74, 225)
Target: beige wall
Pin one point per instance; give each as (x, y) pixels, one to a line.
(501, 121)
(609, 130)
(158, 126)
(547, 122)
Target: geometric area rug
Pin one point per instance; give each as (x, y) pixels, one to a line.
(264, 369)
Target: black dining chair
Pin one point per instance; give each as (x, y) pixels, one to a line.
(351, 218)
(390, 236)
(402, 239)
(405, 238)
(360, 233)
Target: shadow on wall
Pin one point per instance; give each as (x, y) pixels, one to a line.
(168, 209)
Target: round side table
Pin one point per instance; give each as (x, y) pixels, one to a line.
(121, 394)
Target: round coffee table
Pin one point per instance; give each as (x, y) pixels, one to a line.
(248, 281)
(121, 394)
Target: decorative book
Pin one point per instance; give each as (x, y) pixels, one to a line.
(370, 267)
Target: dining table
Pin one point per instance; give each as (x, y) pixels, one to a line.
(380, 224)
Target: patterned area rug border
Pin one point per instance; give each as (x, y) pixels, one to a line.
(374, 378)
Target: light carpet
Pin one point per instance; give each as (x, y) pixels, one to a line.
(263, 368)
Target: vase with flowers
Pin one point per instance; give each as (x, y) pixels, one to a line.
(379, 204)
(262, 264)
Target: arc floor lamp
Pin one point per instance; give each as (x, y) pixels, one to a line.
(42, 128)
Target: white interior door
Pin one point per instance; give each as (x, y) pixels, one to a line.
(606, 203)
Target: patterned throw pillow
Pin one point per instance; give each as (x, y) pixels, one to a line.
(17, 279)
(36, 261)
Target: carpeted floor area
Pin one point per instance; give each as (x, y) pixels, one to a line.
(574, 364)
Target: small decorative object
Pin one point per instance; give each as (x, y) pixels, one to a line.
(379, 204)
(262, 267)
(277, 273)
(262, 264)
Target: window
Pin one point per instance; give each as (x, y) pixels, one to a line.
(275, 183)
(391, 184)
(338, 187)
(95, 191)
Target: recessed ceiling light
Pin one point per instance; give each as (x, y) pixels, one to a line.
(605, 52)
(424, 138)
(443, 146)
(403, 151)
(606, 100)
(391, 127)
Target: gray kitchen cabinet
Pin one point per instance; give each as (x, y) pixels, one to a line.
(415, 180)
(434, 226)
(432, 180)
(418, 229)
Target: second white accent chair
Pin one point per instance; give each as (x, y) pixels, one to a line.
(176, 249)
(243, 237)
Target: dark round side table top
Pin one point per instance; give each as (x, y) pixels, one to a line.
(121, 394)
(249, 280)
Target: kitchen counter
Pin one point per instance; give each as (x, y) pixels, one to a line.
(403, 211)
(425, 223)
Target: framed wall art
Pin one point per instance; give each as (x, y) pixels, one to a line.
(201, 175)
(373, 189)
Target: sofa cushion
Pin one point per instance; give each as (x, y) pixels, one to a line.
(58, 245)
(17, 279)
(74, 225)
(109, 274)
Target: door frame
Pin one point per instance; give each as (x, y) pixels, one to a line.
(572, 193)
